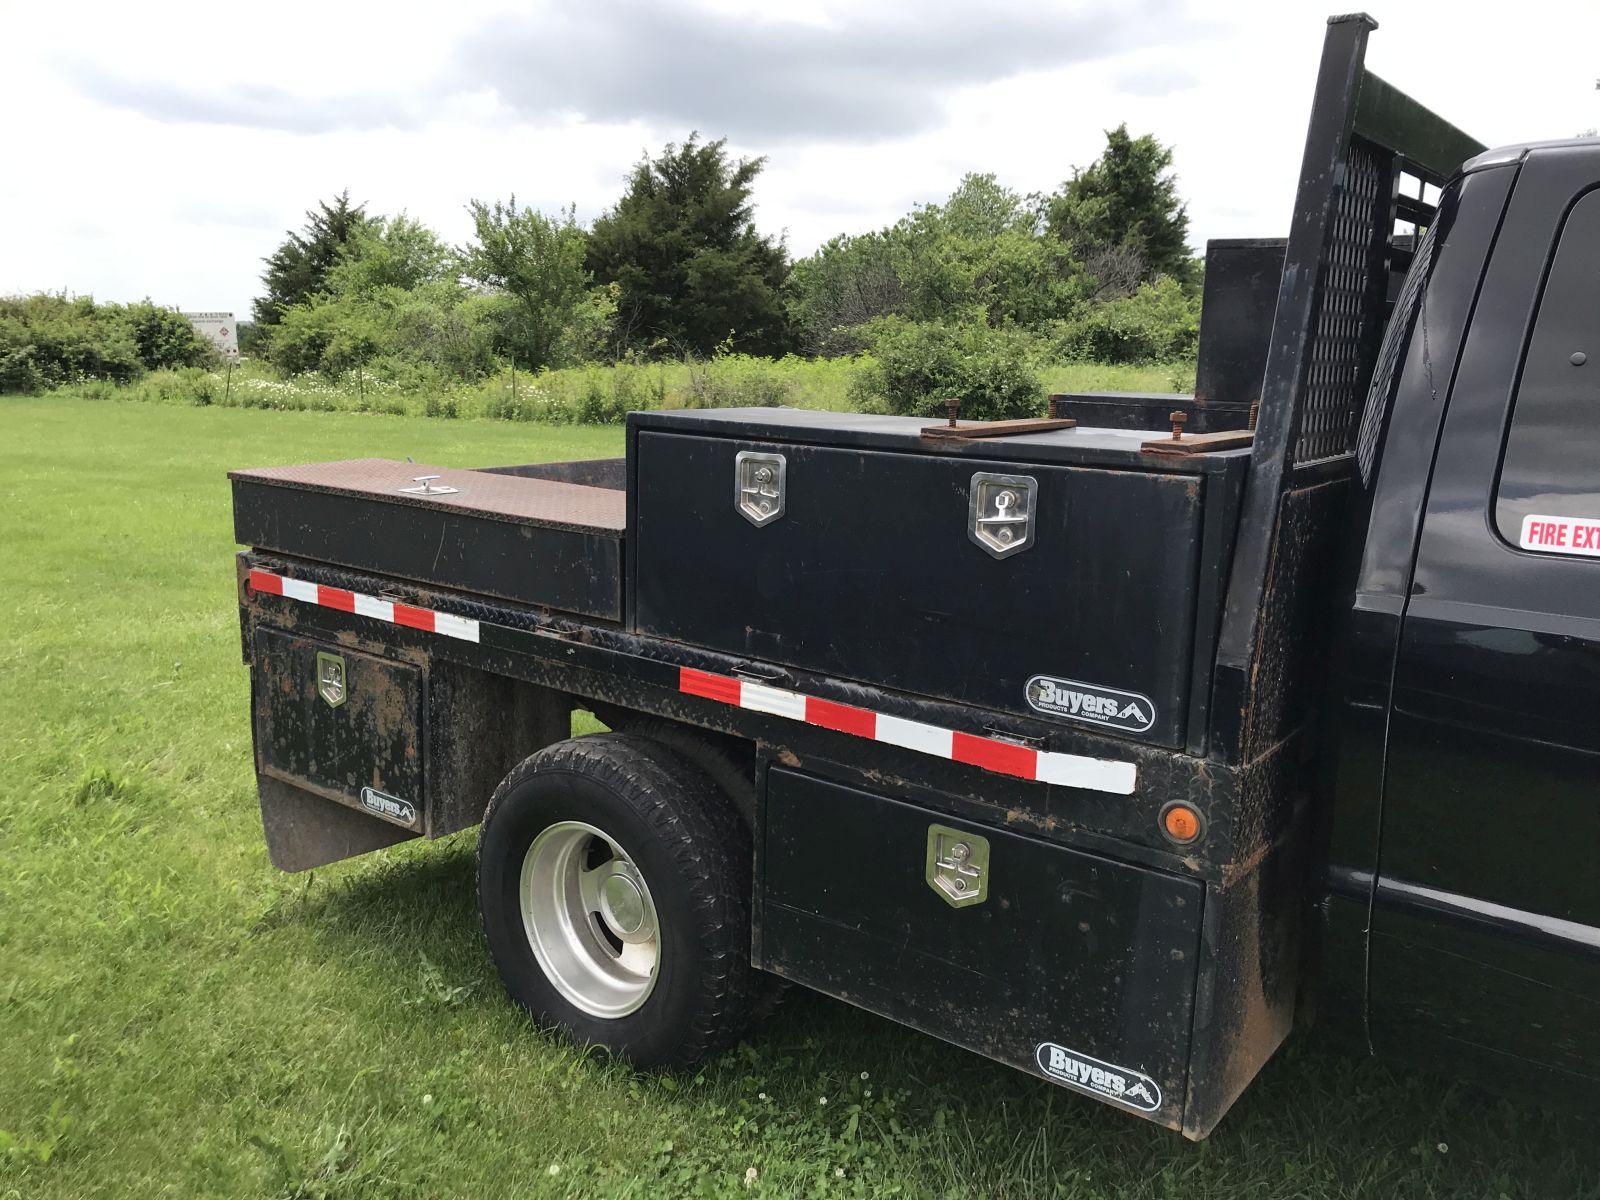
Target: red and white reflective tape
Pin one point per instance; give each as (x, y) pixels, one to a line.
(990, 754)
(362, 605)
(1004, 758)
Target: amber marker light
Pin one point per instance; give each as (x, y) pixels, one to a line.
(1181, 823)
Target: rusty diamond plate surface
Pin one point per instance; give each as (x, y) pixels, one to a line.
(507, 497)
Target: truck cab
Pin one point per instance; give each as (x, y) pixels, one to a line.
(1462, 911)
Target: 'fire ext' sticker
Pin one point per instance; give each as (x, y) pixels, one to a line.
(1091, 702)
(1122, 1084)
(1562, 535)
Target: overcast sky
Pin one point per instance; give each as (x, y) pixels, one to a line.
(163, 149)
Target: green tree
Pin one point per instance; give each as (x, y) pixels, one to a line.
(548, 311)
(1122, 216)
(916, 366)
(849, 281)
(692, 273)
(393, 301)
(166, 338)
(1158, 322)
(396, 251)
(982, 208)
(49, 339)
(981, 251)
(298, 269)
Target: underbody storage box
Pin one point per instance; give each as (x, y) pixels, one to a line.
(1072, 966)
(337, 733)
(874, 562)
(359, 745)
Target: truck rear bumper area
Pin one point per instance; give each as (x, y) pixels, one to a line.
(543, 541)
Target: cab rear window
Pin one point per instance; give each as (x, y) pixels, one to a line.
(1548, 496)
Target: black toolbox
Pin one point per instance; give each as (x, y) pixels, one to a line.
(883, 558)
(532, 534)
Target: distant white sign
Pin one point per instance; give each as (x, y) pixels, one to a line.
(220, 328)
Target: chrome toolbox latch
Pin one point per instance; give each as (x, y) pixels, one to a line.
(958, 865)
(758, 491)
(1000, 516)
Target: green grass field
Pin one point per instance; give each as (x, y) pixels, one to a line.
(177, 1019)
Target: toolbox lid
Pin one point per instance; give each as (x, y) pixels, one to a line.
(494, 495)
(1083, 444)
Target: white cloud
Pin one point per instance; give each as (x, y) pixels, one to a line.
(163, 152)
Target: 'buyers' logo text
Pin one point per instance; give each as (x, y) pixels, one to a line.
(1090, 702)
(389, 806)
(1125, 1086)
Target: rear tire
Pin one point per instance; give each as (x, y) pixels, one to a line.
(733, 772)
(590, 851)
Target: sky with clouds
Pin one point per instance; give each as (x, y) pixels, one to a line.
(163, 149)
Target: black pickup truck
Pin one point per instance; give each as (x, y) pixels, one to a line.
(1106, 744)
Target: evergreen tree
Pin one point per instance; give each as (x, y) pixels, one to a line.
(1121, 215)
(299, 268)
(691, 272)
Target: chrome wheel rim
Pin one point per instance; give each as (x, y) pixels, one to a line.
(590, 919)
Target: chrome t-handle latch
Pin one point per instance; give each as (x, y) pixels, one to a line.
(425, 487)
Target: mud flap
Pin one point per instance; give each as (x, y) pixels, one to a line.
(304, 830)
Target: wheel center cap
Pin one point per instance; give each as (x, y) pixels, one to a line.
(624, 903)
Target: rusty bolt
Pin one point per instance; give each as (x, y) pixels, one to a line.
(952, 406)
(1179, 419)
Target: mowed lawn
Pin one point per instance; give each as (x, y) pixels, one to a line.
(178, 1019)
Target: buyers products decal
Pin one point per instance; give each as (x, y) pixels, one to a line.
(1112, 707)
(385, 805)
(1562, 535)
(1133, 1088)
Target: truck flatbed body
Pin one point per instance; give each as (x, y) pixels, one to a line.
(873, 679)
(1024, 741)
